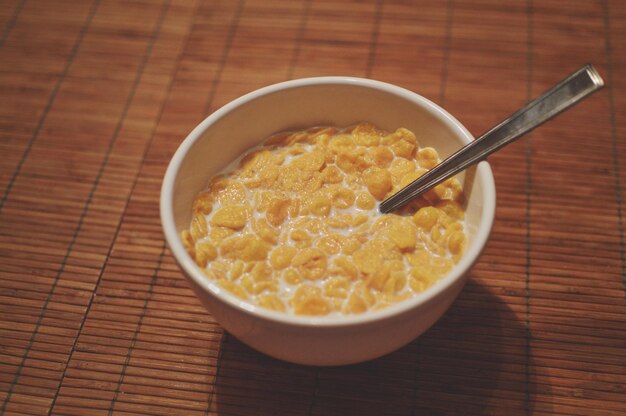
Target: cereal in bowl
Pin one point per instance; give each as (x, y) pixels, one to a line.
(293, 225)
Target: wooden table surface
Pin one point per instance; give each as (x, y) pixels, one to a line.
(96, 95)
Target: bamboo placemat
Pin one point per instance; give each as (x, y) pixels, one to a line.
(95, 318)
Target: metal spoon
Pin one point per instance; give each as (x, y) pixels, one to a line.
(562, 96)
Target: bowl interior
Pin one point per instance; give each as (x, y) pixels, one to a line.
(330, 101)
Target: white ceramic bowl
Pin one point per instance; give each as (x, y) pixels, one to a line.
(298, 104)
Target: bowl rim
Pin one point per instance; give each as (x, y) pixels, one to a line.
(192, 271)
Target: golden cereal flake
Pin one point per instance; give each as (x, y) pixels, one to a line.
(278, 211)
(296, 180)
(227, 192)
(331, 174)
(359, 219)
(281, 256)
(265, 287)
(378, 182)
(330, 244)
(366, 134)
(312, 225)
(292, 277)
(265, 231)
(187, 239)
(341, 197)
(456, 242)
(199, 227)
(205, 252)
(299, 235)
(234, 217)
(350, 245)
(355, 161)
(261, 272)
(356, 304)
(317, 203)
(312, 162)
(233, 288)
(452, 208)
(382, 156)
(254, 162)
(311, 263)
(396, 282)
(378, 279)
(246, 248)
(428, 272)
(337, 287)
(308, 300)
(271, 301)
(267, 176)
(427, 157)
(400, 167)
(337, 223)
(402, 142)
(203, 204)
(263, 198)
(426, 217)
(218, 234)
(347, 267)
(341, 144)
(403, 233)
(237, 270)
(367, 260)
(365, 201)
(360, 300)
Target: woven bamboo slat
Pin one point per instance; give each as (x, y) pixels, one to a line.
(95, 97)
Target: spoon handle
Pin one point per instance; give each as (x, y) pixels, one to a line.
(562, 96)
